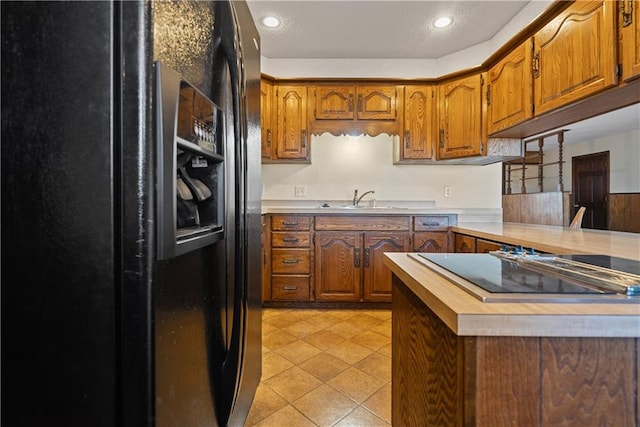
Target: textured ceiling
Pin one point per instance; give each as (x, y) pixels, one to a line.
(378, 29)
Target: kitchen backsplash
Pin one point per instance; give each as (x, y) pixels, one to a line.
(340, 165)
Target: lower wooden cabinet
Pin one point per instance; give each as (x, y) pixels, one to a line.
(505, 380)
(338, 269)
(349, 265)
(464, 244)
(287, 265)
(340, 258)
(377, 276)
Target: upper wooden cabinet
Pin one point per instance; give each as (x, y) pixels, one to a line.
(292, 139)
(575, 55)
(419, 128)
(361, 102)
(510, 90)
(629, 31)
(266, 117)
(461, 118)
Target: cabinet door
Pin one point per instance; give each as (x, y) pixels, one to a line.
(464, 244)
(338, 269)
(431, 242)
(575, 55)
(291, 122)
(377, 102)
(629, 30)
(419, 126)
(377, 276)
(266, 117)
(334, 102)
(510, 90)
(462, 130)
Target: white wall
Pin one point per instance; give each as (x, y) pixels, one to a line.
(342, 164)
(624, 161)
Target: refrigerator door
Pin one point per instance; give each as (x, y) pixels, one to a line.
(207, 328)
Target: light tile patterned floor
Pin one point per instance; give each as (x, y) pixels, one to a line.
(324, 367)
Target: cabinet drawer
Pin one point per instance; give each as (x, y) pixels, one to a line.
(281, 239)
(290, 261)
(430, 223)
(290, 288)
(364, 223)
(433, 242)
(290, 222)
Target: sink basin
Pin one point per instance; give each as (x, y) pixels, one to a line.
(361, 207)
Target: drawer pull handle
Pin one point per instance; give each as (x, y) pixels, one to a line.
(431, 224)
(367, 255)
(289, 288)
(290, 261)
(289, 222)
(291, 240)
(356, 258)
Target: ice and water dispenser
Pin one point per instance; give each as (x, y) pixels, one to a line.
(190, 166)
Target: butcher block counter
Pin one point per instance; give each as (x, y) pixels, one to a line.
(458, 361)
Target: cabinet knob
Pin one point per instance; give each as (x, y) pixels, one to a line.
(535, 65)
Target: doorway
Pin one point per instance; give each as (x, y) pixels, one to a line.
(590, 188)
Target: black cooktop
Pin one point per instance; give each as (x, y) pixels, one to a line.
(499, 275)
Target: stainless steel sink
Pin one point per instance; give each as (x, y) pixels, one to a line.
(349, 207)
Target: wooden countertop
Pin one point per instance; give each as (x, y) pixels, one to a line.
(555, 239)
(467, 316)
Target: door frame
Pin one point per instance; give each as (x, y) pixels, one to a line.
(574, 180)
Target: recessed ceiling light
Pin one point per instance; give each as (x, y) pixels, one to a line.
(271, 21)
(442, 22)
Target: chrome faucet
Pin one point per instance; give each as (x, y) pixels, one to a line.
(356, 199)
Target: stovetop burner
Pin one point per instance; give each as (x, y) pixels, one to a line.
(504, 277)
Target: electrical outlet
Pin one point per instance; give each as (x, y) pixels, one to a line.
(448, 192)
(300, 190)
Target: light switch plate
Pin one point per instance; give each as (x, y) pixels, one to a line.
(300, 190)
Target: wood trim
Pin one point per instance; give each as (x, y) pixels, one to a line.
(509, 380)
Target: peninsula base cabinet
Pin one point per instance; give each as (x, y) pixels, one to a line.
(441, 379)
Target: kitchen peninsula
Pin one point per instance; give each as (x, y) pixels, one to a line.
(459, 361)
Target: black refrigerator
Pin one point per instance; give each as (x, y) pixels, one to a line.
(130, 213)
